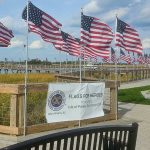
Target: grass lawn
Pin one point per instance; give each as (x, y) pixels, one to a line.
(133, 95)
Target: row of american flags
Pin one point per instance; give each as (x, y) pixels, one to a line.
(127, 58)
(95, 40)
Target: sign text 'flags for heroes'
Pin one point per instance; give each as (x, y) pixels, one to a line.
(96, 34)
(127, 37)
(74, 101)
(5, 36)
(43, 24)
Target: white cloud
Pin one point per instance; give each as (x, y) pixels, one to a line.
(13, 24)
(120, 12)
(7, 21)
(146, 43)
(36, 44)
(145, 12)
(16, 43)
(137, 1)
(92, 7)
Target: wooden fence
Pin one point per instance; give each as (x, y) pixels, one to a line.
(16, 125)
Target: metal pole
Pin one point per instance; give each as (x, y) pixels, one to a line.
(60, 63)
(26, 75)
(66, 63)
(80, 63)
(116, 78)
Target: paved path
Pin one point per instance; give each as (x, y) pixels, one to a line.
(135, 84)
(129, 113)
(140, 113)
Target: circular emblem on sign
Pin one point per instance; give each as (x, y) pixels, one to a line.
(56, 100)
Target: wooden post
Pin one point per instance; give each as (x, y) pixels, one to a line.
(113, 103)
(14, 111)
(141, 73)
(146, 73)
(127, 76)
(132, 75)
(21, 110)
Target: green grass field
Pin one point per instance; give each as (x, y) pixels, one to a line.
(133, 95)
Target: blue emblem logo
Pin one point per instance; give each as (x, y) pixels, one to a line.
(56, 100)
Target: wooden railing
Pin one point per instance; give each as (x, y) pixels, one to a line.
(16, 125)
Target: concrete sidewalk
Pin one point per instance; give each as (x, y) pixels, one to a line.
(129, 113)
(139, 113)
(135, 84)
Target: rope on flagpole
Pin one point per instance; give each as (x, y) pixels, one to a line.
(26, 73)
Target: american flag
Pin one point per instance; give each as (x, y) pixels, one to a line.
(5, 36)
(96, 35)
(88, 52)
(140, 59)
(133, 59)
(125, 57)
(149, 59)
(43, 24)
(113, 55)
(70, 44)
(106, 59)
(146, 59)
(128, 38)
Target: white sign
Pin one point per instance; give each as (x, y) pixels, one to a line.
(74, 101)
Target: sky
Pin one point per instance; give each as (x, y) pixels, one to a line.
(68, 12)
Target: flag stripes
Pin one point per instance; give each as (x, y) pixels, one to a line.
(43, 24)
(5, 36)
(96, 35)
(69, 44)
(113, 55)
(106, 60)
(127, 37)
(125, 57)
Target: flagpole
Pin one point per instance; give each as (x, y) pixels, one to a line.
(60, 63)
(71, 65)
(26, 74)
(66, 63)
(80, 56)
(80, 63)
(134, 65)
(116, 78)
